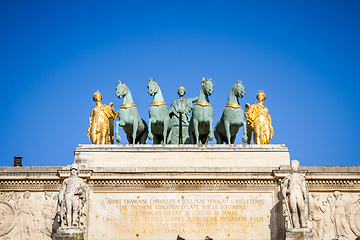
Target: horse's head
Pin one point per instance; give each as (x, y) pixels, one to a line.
(208, 86)
(239, 89)
(120, 89)
(152, 86)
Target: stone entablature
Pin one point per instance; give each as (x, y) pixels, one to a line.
(115, 191)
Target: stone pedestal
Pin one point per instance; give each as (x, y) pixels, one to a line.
(69, 234)
(300, 234)
(181, 156)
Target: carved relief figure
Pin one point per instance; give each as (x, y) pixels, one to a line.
(328, 225)
(72, 197)
(296, 197)
(200, 129)
(38, 219)
(101, 122)
(48, 212)
(339, 216)
(317, 216)
(25, 216)
(336, 217)
(258, 121)
(180, 115)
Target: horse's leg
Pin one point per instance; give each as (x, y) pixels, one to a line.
(150, 134)
(204, 140)
(245, 137)
(227, 130)
(157, 139)
(249, 132)
(144, 133)
(217, 134)
(168, 138)
(167, 127)
(190, 131)
(210, 136)
(117, 136)
(196, 130)
(129, 138)
(135, 128)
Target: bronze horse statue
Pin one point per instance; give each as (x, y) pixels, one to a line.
(232, 118)
(200, 128)
(134, 126)
(160, 123)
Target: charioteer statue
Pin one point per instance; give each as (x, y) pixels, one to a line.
(180, 115)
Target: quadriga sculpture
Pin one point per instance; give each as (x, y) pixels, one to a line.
(202, 118)
(134, 126)
(232, 118)
(159, 119)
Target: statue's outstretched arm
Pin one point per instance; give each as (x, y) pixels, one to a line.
(194, 99)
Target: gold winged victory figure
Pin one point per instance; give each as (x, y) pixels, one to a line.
(101, 122)
(258, 121)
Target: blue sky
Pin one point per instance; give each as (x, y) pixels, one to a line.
(303, 54)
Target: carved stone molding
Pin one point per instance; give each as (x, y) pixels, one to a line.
(30, 185)
(182, 184)
(333, 184)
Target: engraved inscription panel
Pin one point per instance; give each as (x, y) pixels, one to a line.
(190, 215)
